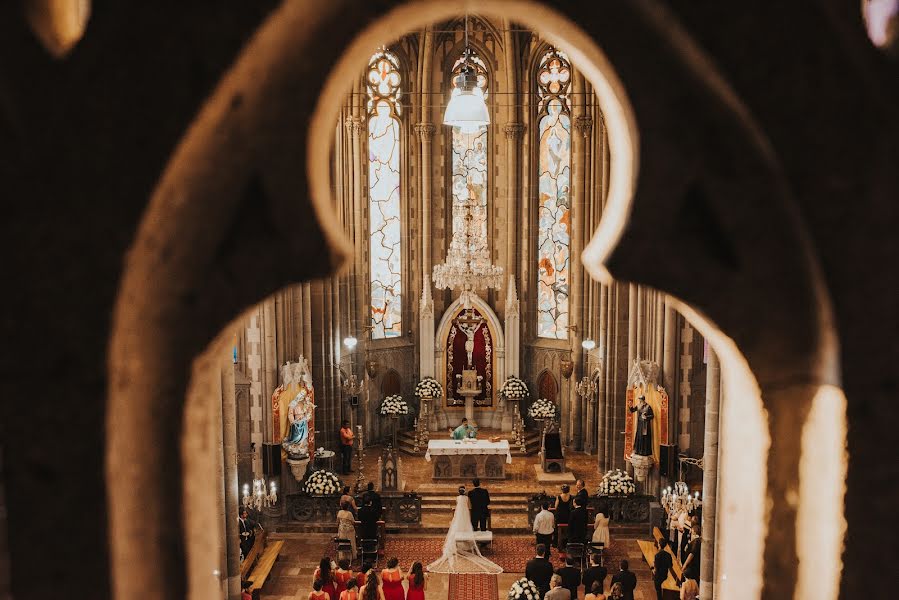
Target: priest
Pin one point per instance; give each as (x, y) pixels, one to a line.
(464, 431)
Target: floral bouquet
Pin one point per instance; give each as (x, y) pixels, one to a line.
(323, 483)
(524, 589)
(514, 389)
(428, 388)
(616, 483)
(543, 409)
(394, 406)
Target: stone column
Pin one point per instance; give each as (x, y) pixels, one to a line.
(426, 132)
(631, 324)
(513, 131)
(710, 478)
(229, 454)
(513, 346)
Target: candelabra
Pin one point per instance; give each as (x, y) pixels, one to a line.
(679, 500)
(259, 499)
(518, 427)
(360, 455)
(422, 435)
(586, 387)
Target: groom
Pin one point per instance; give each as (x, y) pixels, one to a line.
(480, 501)
(464, 431)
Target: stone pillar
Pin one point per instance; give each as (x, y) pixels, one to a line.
(710, 477)
(669, 375)
(513, 133)
(512, 332)
(231, 485)
(426, 132)
(631, 324)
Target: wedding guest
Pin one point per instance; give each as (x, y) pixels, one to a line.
(580, 492)
(601, 529)
(324, 573)
(571, 576)
(556, 591)
(416, 579)
(351, 592)
(362, 574)
(480, 503)
(595, 592)
(346, 527)
(577, 522)
(346, 448)
(616, 593)
(595, 573)
(247, 528)
(392, 580)
(563, 511)
(372, 588)
(690, 590)
(540, 570)
(694, 549)
(661, 565)
(317, 593)
(368, 518)
(346, 496)
(343, 575)
(544, 525)
(245, 587)
(375, 497)
(626, 580)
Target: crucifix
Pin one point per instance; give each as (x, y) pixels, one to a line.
(469, 323)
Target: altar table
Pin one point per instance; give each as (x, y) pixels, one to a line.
(457, 459)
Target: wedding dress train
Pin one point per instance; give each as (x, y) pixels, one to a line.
(462, 556)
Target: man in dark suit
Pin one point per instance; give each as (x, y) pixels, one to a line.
(595, 572)
(540, 570)
(480, 501)
(581, 493)
(627, 580)
(661, 564)
(571, 577)
(577, 523)
(247, 531)
(368, 517)
(375, 498)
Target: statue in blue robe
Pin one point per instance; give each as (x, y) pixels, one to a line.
(296, 440)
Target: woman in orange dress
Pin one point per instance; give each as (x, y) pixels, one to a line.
(326, 575)
(317, 593)
(372, 588)
(351, 592)
(392, 581)
(342, 575)
(416, 579)
(362, 575)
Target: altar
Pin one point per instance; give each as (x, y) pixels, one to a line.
(457, 459)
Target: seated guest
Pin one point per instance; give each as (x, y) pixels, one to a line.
(375, 497)
(556, 591)
(362, 574)
(595, 573)
(317, 593)
(350, 593)
(539, 569)
(690, 590)
(368, 517)
(346, 497)
(571, 577)
(626, 579)
(616, 592)
(577, 523)
(595, 592)
(544, 525)
(372, 588)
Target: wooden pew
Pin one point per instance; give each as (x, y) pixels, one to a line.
(670, 589)
(264, 564)
(255, 551)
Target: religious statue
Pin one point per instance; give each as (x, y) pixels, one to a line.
(643, 433)
(464, 431)
(296, 442)
(469, 325)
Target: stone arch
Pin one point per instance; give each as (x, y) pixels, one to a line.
(547, 386)
(191, 250)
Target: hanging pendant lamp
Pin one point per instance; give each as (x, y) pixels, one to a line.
(466, 108)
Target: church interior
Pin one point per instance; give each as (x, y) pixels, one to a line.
(282, 263)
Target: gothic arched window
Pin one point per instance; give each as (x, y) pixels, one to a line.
(470, 160)
(554, 195)
(384, 109)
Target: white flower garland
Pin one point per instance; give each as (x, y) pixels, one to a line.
(394, 405)
(524, 589)
(322, 482)
(543, 409)
(429, 388)
(616, 483)
(514, 389)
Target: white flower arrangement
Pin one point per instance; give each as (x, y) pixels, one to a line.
(543, 409)
(524, 589)
(429, 388)
(616, 483)
(394, 405)
(514, 389)
(322, 482)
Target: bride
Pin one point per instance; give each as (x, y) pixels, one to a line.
(462, 556)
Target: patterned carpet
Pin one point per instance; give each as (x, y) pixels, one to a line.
(473, 587)
(510, 552)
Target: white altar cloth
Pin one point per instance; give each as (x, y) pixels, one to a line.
(455, 447)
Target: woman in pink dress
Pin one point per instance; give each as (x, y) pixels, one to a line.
(392, 581)
(416, 579)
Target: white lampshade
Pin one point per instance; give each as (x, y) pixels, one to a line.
(588, 344)
(467, 110)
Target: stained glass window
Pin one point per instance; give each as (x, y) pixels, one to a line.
(554, 200)
(384, 195)
(470, 159)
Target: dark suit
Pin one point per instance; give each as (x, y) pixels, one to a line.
(540, 571)
(577, 525)
(582, 497)
(592, 574)
(247, 535)
(480, 500)
(571, 579)
(368, 516)
(661, 565)
(628, 582)
(375, 500)
(692, 570)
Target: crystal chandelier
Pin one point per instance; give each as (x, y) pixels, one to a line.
(259, 499)
(678, 500)
(467, 266)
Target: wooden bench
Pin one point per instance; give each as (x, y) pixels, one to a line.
(264, 564)
(255, 551)
(670, 589)
(675, 562)
(480, 537)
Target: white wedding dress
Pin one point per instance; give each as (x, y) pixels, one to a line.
(462, 556)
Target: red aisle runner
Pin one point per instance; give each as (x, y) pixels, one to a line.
(473, 587)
